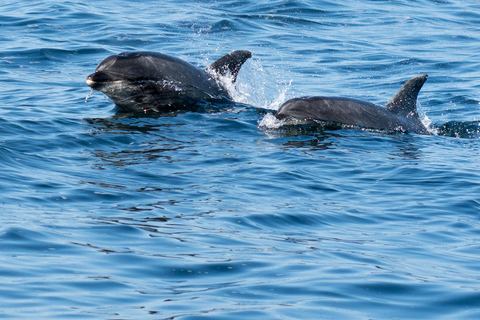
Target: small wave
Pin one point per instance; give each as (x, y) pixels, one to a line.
(467, 129)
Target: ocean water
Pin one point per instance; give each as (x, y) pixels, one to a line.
(227, 214)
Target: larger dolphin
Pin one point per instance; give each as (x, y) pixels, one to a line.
(142, 81)
(400, 112)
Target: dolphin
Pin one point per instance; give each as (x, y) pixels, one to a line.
(400, 112)
(143, 81)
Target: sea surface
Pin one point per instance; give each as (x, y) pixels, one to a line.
(226, 213)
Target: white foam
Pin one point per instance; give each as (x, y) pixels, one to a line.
(269, 121)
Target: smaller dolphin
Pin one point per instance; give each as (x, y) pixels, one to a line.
(400, 112)
(142, 81)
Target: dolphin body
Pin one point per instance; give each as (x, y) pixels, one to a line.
(400, 112)
(143, 81)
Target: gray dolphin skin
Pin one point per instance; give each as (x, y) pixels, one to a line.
(400, 112)
(143, 81)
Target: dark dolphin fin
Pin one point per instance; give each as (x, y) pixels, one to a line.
(404, 103)
(230, 63)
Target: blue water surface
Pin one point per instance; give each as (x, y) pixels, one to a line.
(225, 214)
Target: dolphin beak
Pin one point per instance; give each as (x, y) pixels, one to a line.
(99, 79)
(90, 82)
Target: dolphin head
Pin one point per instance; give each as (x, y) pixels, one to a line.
(128, 67)
(136, 81)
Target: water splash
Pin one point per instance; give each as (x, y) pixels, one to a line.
(429, 125)
(257, 86)
(454, 129)
(269, 121)
(426, 120)
(89, 95)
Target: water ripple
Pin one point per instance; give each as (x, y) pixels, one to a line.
(210, 212)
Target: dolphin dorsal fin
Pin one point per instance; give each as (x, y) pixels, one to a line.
(404, 103)
(230, 63)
